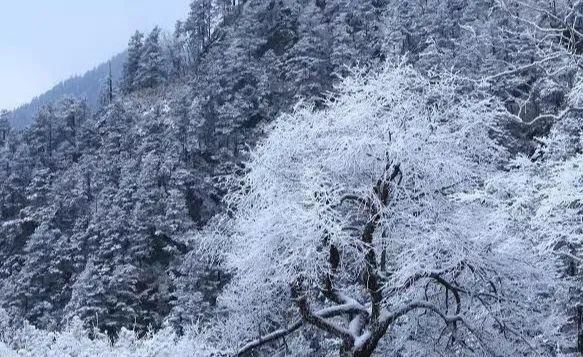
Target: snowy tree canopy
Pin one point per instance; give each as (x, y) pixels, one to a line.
(349, 221)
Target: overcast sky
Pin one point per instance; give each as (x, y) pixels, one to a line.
(45, 41)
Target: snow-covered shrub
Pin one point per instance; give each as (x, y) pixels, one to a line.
(75, 342)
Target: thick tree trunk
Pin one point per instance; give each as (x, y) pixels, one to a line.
(367, 352)
(344, 352)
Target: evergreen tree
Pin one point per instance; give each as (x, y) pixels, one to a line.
(150, 72)
(306, 66)
(107, 91)
(4, 127)
(43, 285)
(198, 27)
(131, 66)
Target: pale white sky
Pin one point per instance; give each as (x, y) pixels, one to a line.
(45, 41)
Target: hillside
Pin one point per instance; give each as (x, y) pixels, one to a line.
(87, 86)
(307, 178)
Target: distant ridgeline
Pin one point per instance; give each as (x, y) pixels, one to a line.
(87, 86)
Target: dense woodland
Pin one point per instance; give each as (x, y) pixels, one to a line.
(308, 178)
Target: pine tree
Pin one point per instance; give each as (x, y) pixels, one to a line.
(150, 72)
(43, 284)
(107, 91)
(130, 68)
(4, 127)
(198, 27)
(307, 65)
(87, 297)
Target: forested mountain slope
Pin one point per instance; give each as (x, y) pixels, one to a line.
(308, 177)
(88, 86)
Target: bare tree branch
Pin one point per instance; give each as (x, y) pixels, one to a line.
(270, 337)
(322, 314)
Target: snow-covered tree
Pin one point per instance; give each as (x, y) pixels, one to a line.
(198, 27)
(349, 221)
(107, 89)
(306, 66)
(130, 68)
(43, 283)
(150, 72)
(4, 127)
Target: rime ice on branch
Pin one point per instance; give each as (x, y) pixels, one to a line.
(349, 221)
